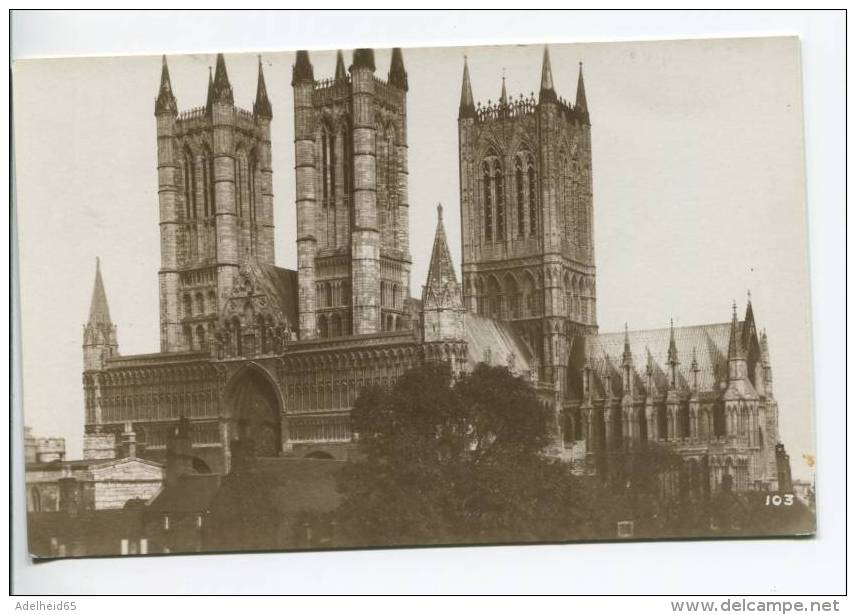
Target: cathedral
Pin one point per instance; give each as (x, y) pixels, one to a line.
(274, 356)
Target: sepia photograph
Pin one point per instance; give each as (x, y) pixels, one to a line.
(414, 296)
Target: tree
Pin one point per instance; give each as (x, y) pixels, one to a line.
(458, 462)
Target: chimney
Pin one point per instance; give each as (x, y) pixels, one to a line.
(69, 493)
(179, 457)
(129, 441)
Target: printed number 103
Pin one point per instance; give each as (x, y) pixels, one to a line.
(780, 500)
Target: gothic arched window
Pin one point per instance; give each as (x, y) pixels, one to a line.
(207, 184)
(488, 206)
(252, 168)
(189, 185)
(521, 198)
(533, 197)
(499, 189)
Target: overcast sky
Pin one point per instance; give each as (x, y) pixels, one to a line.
(698, 191)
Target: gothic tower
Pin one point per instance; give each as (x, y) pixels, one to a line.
(216, 203)
(99, 332)
(352, 207)
(526, 216)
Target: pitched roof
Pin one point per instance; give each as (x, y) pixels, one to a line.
(280, 285)
(495, 340)
(651, 347)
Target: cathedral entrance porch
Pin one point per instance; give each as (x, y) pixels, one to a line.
(254, 411)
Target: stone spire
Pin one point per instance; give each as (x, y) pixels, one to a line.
(302, 69)
(441, 271)
(695, 370)
(581, 105)
(99, 332)
(99, 311)
(736, 353)
(547, 93)
(262, 107)
(165, 102)
(627, 356)
(222, 88)
(467, 108)
(442, 306)
(364, 58)
(397, 74)
(673, 356)
(341, 73)
(627, 365)
(735, 343)
(209, 99)
(765, 365)
(503, 95)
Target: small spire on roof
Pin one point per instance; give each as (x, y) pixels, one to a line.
(262, 106)
(341, 73)
(364, 58)
(99, 310)
(302, 71)
(547, 93)
(673, 349)
(397, 74)
(209, 100)
(467, 108)
(581, 103)
(222, 87)
(503, 96)
(165, 102)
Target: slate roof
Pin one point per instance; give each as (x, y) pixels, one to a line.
(709, 342)
(499, 338)
(280, 285)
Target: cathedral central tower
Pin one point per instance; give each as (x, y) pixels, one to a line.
(353, 238)
(526, 216)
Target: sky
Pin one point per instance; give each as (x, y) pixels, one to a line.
(698, 171)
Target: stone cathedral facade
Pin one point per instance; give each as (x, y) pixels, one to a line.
(250, 350)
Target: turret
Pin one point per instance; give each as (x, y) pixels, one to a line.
(302, 78)
(365, 236)
(442, 307)
(263, 114)
(169, 203)
(397, 74)
(99, 332)
(223, 176)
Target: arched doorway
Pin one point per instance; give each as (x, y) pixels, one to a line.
(255, 411)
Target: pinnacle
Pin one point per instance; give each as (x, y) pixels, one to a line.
(99, 310)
